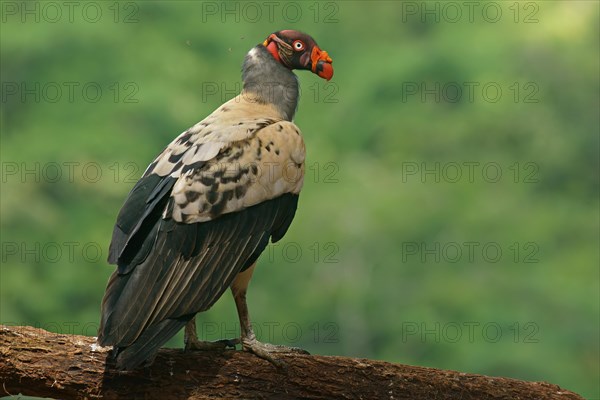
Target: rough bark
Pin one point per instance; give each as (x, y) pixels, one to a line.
(35, 362)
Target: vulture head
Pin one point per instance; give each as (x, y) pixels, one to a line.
(297, 50)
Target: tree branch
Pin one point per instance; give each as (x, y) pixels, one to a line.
(35, 362)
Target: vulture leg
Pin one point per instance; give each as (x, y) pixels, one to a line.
(249, 341)
(190, 338)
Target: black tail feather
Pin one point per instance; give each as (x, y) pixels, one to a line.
(145, 348)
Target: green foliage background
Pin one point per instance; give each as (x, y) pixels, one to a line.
(363, 293)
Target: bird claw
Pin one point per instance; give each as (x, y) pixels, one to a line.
(267, 351)
(223, 344)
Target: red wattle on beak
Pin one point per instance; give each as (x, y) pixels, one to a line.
(321, 63)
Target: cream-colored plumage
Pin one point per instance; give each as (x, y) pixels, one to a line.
(239, 160)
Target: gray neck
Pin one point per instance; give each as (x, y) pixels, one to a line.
(270, 82)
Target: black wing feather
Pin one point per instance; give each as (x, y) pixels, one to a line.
(142, 208)
(168, 271)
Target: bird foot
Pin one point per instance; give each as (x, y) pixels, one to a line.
(195, 344)
(267, 351)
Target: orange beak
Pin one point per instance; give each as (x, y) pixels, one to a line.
(321, 63)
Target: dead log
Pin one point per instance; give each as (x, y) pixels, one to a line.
(35, 362)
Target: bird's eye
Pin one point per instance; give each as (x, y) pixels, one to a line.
(298, 45)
